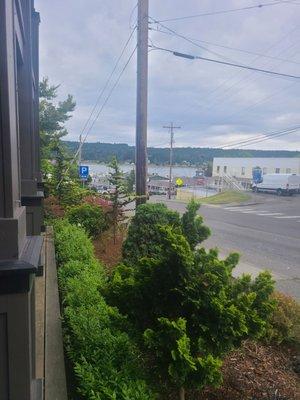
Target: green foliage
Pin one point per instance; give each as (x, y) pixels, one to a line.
(130, 181)
(284, 324)
(60, 175)
(186, 304)
(80, 248)
(90, 217)
(103, 152)
(171, 346)
(152, 287)
(105, 359)
(192, 225)
(144, 235)
(52, 116)
(119, 196)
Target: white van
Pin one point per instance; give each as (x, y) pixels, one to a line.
(279, 183)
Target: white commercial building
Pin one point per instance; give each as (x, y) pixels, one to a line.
(241, 168)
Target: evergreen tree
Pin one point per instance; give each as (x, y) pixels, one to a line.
(187, 306)
(130, 181)
(143, 239)
(192, 225)
(53, 116)
(119, 196)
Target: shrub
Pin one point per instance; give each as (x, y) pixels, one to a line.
(105, 360)
(192, 225)
(90, 217)
(71, 243)
(187, 306)
(284, 325)
(144, 238)
(143, 234)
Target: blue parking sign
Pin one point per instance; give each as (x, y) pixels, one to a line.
(83, 172)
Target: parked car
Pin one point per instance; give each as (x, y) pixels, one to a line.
(278, 183)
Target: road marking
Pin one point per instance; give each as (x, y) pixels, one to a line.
(237, 209)
(249, 212)
(288, 217)
(270, 214)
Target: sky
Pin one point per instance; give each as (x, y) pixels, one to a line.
(215, 104)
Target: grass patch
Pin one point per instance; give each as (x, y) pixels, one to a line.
(225, 198)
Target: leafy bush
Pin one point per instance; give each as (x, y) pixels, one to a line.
(186, 304)
(284, 324)
(90, 217)
(144, 239)
(71, 243)
(105, 359)
(71, 193)
(192, 225)
(143, 234)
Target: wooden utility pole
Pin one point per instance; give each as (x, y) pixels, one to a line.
(80, 151)
(80, 157)
(171, 128)
(141, 158)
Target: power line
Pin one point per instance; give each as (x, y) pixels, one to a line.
(221, 97)
(261, 101)
(107, 82)
(268, 138)
(130, 18)
(109, 94)
(174, 33)
(99, 112)
(191, 40)
(194, 57)
(262, 137)
(222, 84)
(232, 10)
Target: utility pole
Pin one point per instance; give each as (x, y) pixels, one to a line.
(141, 158)
(80, 151)
(171, 129)
(80, 157)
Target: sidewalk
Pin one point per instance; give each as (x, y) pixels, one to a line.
(50, 364)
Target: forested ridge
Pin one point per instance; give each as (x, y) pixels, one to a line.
(103, 152)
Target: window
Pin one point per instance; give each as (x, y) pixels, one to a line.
(277, 170)
(265, 170)
(288, 171)
(243, 170)
(225, 169)
(218, 169)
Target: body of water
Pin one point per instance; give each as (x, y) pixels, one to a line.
(162, 170)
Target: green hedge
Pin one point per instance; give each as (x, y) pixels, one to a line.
(90, 217)
(105, 359)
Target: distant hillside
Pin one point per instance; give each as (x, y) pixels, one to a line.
(103, 152)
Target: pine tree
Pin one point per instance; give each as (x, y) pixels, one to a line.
(52, 116)
(187, 306)
(192, 225)
(119, 196)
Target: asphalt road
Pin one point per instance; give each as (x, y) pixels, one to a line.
(265, 231)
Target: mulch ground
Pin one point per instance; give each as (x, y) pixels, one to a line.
(257, 372)
(107, 251)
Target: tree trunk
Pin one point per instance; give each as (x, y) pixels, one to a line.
(114, 232)
(181, 393)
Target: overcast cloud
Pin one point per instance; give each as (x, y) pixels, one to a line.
(80, 41)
